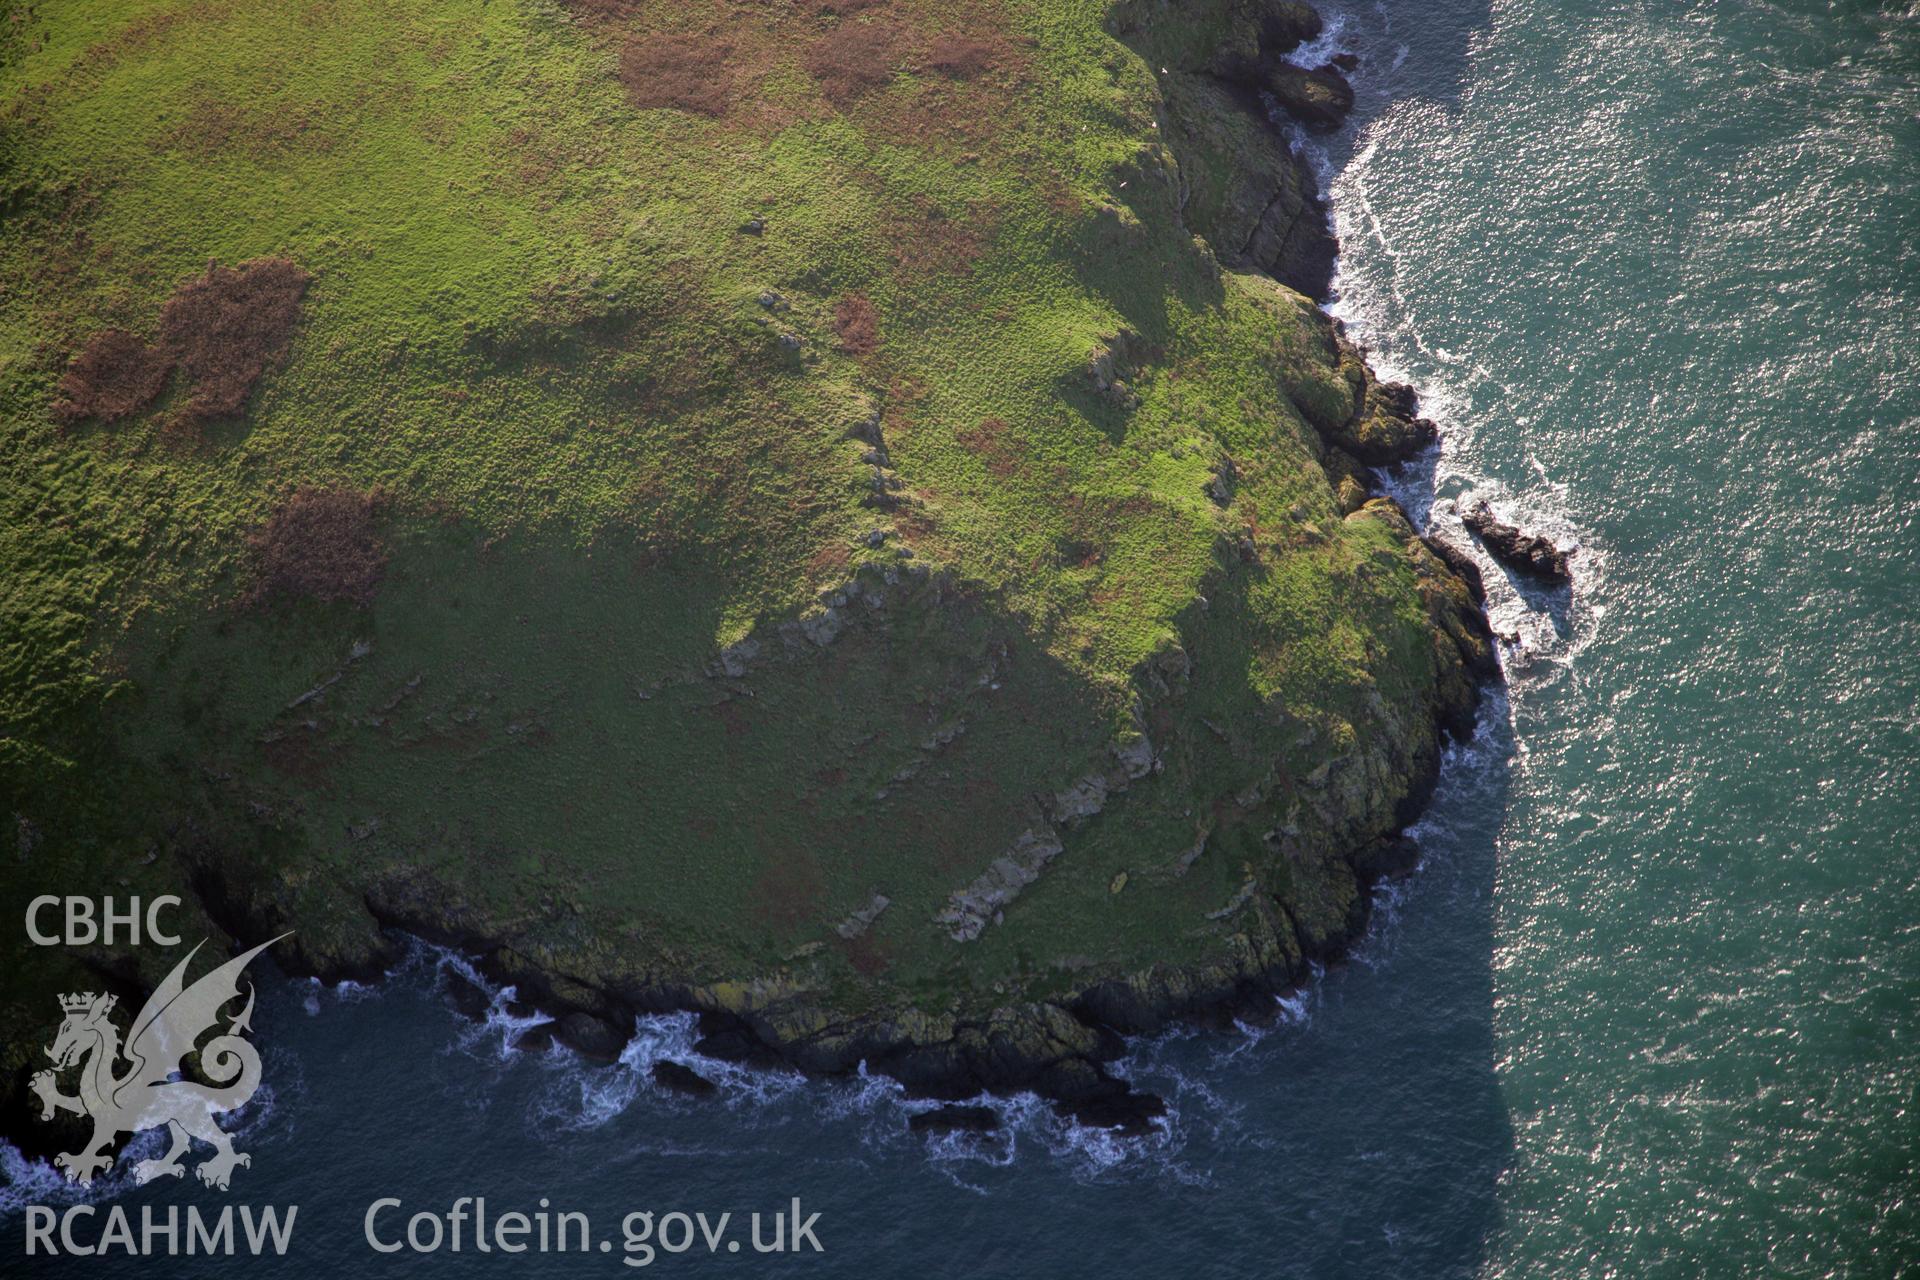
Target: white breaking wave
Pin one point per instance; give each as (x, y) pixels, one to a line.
(578, 1095)
(25, 1181)
(1320, 50)
(1538, 635)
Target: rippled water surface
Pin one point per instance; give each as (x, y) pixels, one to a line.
(1648, 1008)
(1657, 267)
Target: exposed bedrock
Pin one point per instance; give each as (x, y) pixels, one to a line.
(1519, 550)
(1359, 418)
(1240, 184)
(1318, 97)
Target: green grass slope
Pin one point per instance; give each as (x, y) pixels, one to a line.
(801, 455)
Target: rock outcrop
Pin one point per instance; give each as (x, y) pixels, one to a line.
(1318, 97)
(682, 1079)
(1523, 552)
(1239, 184)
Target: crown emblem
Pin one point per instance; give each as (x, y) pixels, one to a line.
(151, 1094)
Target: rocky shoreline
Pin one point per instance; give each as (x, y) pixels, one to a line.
(1246, 192)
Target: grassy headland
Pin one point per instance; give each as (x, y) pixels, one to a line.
(818, 513)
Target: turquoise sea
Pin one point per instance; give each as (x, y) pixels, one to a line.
(1649, 1008)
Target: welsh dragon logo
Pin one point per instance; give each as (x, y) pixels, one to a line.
(150, 1092)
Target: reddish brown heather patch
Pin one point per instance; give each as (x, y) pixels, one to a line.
(319, 545)
(867, 955)
(961, 99)
(1076, 553)
(116, 374)
(924, 240)
(856, 323)
(990, 440)
(604, 8)
(211, 126)
(788, 891)
(142, 33)
(531, 159)
(303, 755)
(830, 561)
(227, 327)
(905, 398)
(733, 721)
(918, 526)
(965, 57)
(683, 72)
(853, 49)
(856, 58)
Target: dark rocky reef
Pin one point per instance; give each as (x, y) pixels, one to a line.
(535, 1039)
(953, 1118)
(682, 1079)
(1520, 551)
(1318, 97)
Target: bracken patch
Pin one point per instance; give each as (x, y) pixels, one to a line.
(856, 58)
(115, 375)
(924, 240)
(684, 73)
(962, 57)
(856, 323)
(227, 327)
(319, 545)
(990, 440)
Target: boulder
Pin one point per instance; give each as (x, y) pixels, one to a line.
(669, 1074)
(535, 1039)
(1523, 552)
(1318, 97)
(590, 1037)
(469, 999)
(1084, 1093)
(1285, 25)
(954, 1118)
(1387, 857)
